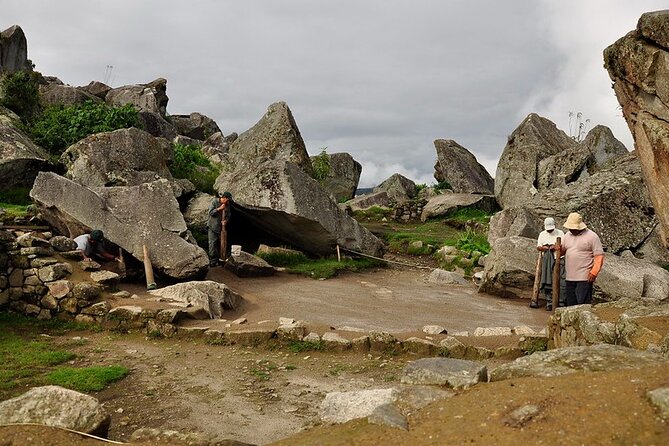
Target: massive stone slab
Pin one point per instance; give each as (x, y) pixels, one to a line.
(20, 159)
(57, 94)
(195, 125)
(130, 217)
(443, 204)
(14, 50)
(340, 407)
(456, 373)
(151, 97)
(509, 268)
(631, 278)
(212, 297)
(534, 139)
(124, 157)
(398, 187)
(514, 221)
(58, 407)
(638, 64)
(568, 360)
(460, 168)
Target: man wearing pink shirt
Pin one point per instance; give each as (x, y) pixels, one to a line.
(584, 258)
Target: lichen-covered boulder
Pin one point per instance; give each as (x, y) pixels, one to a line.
(460, 168)
(151, 97)
(398, 187)
(509, 268)
(195, 125)
(342, 176)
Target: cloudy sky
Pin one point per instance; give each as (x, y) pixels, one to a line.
(379, 79)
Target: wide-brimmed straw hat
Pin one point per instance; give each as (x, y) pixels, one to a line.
(575, 221)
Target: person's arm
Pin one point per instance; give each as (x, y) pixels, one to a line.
(596, 268)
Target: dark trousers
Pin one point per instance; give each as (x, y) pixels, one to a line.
(214, 246)
(578, 292)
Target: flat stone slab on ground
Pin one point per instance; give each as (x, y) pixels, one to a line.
(456, 373)
(340, 407)
(562, 361)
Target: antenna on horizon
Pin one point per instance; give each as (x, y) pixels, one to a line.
(108, 74)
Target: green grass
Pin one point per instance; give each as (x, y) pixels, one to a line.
(375, 213)
(323, 268)
(463, 215)
(399, 236)
(15, 202)
(190, 163)
(87, 379)
(305, 346)
(470, 241)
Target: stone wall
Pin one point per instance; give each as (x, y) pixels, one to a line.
(408, 210)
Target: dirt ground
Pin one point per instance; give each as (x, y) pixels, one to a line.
(260, 396)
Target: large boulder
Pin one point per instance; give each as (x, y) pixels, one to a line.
(343, 176)
(96, 88)
(248, 265)
(58, 407)
(195, 125)
(56, 94)
(124, 157)
(444, 204)
(398, 187)
(580, 161)
(14, 50)
(536, 138)
(562, 361)
(212, 297)
(151, 97)
(375, 199)
(615, 193)
(130, 217)
(216, 147)
(514, 221)
(509, 268)
(274, 137)
(631, 278)
(156, 125)
(196, 214)
(638, 64)
(460, 168)
(277, 197)
(20, 159)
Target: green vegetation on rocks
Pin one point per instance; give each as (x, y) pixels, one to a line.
(19, 92)
(321, 165)
(190, 163)
(60, 126)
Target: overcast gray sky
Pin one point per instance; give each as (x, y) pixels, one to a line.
(378, 79)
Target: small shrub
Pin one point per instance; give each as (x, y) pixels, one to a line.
(321, 165)
(190, 163)
(87, 379)
(20, 94)
(306, 346)
(60, 126)
(420, 187)
(471, 241)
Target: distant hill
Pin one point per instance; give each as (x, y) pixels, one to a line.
(363, 191)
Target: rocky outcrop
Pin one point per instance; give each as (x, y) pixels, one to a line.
(197, 211)
(96, 88)
(55, 94)
(216, 147)
(536, 138)
(195, 125)
(130, 217)
(638, 64)
(444, 204)
(248, 265)
(343, 176)
(581, 161)
(58, 407)
(125, 157)
(151, 97)
(568, 360)
(212, 297)
(375, 199)
(20, 158)
(274, 137)
(14, 51)
(398, 187)
(514, 221)
(156, 125)
(616, 193)
(460, 168)
(509, 268)
(269, 173)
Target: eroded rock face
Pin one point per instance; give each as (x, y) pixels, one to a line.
(274, 137)
(536, 138)
(54, 94)
(342, 179)
(130, 217)
(631, 278)
(398, 187)
(58, 407)
(96, 88)
(460, 168)
(195, 125)
(20, 158)
(14, 50)
(151, 97)
(514, 221)
(124, 157)
(638, 64)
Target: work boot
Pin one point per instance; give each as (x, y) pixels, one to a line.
(534, 304)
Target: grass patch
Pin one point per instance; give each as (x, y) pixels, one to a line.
(471, 241)
(87, 379)
(190, 163)
(464, 215)
(375, 213)
(399, 236)
(323, 268)
(305, 346)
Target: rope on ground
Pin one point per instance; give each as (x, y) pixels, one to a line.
(386, 260)
(83, 434)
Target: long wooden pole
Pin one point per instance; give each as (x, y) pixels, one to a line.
(556, 273)
(537, 281)
(224, 243)
(148, 270)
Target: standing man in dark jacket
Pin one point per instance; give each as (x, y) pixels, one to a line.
(219, 216)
